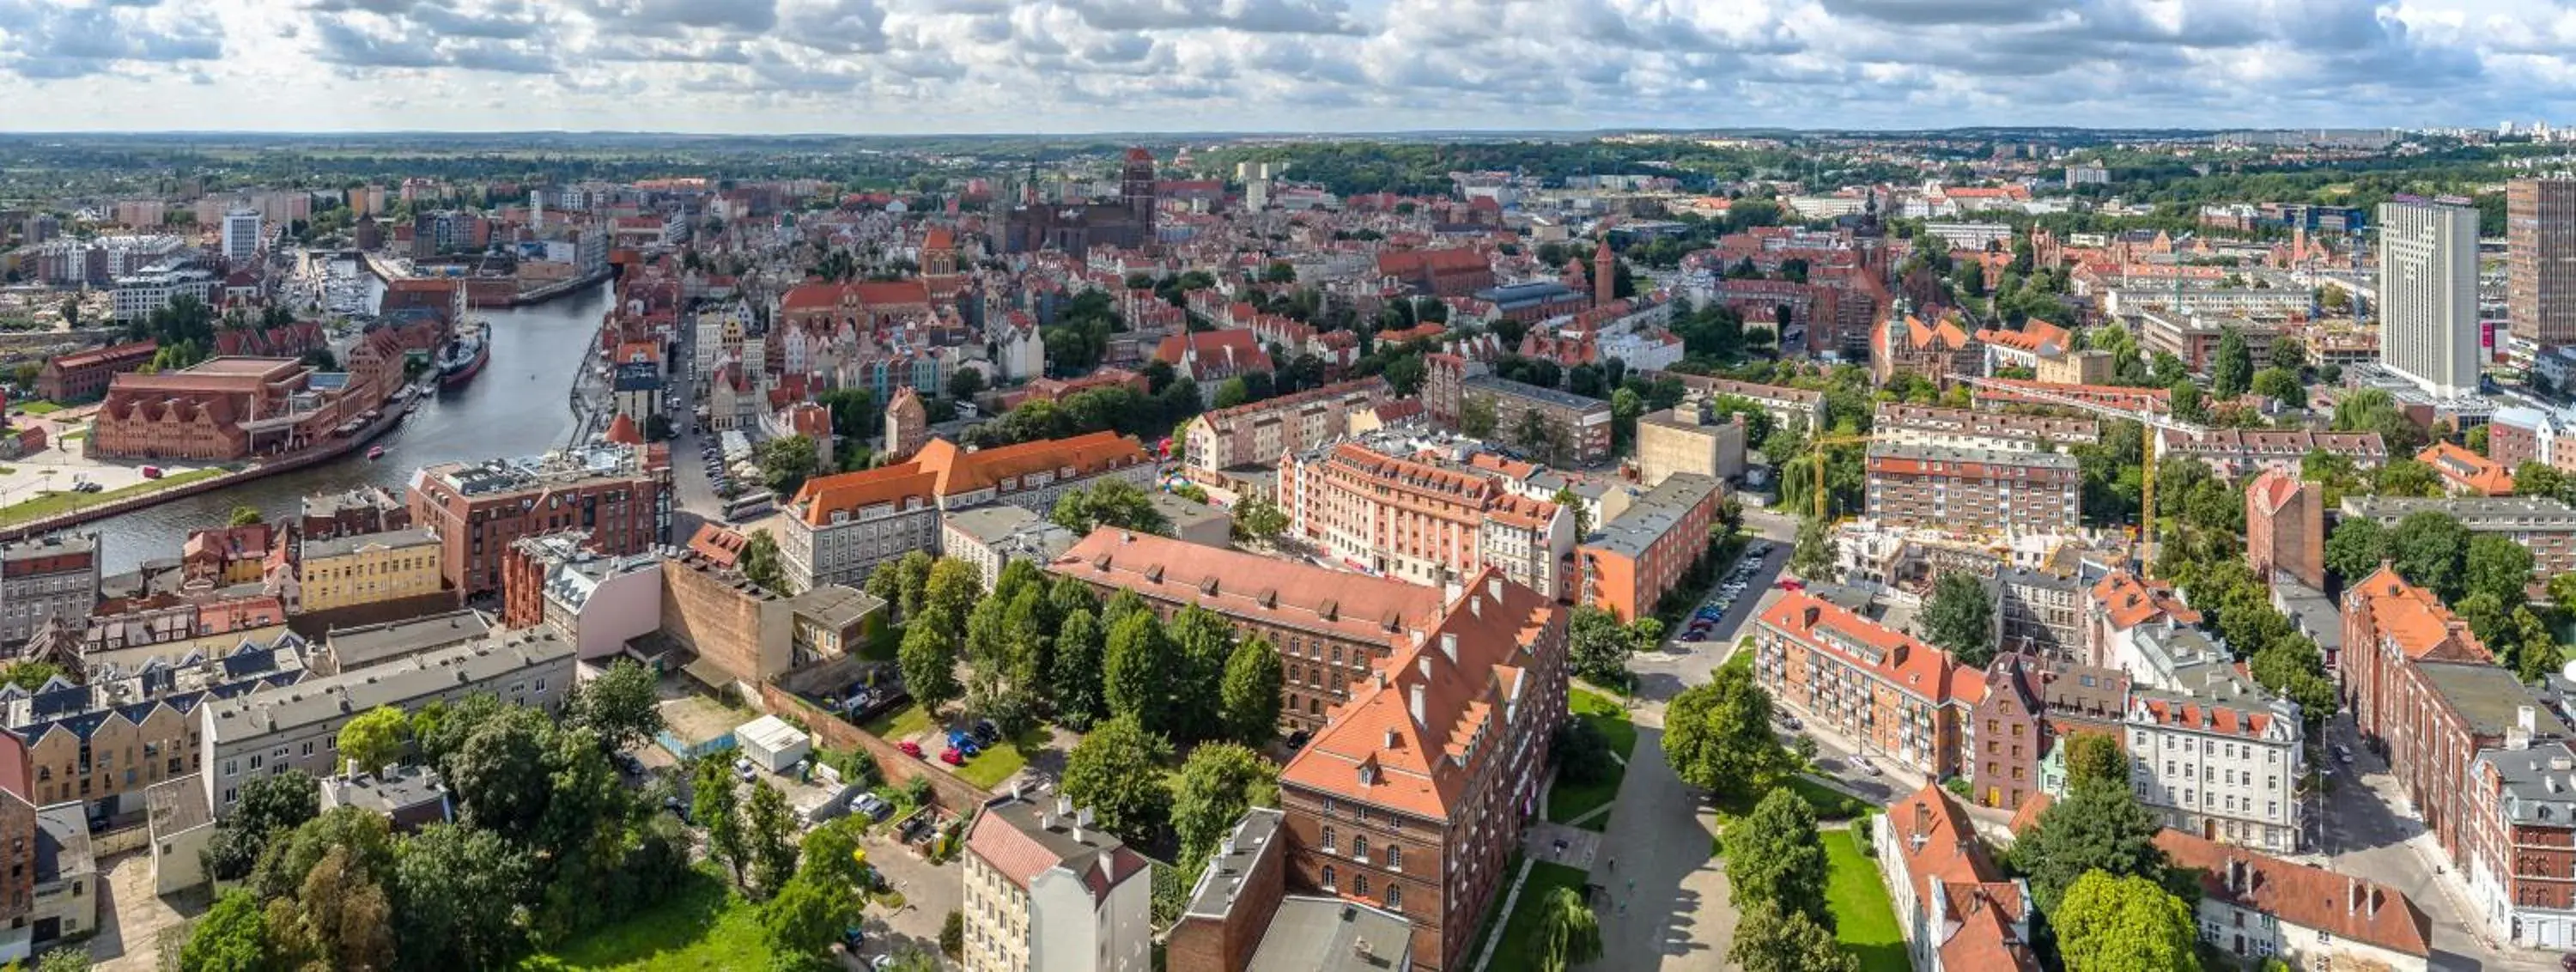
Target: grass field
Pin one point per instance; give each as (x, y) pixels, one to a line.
(39, 407)
(1513, 955)
(989, 768)
(900, 724)
(704, 927)
(1568, 801)
(58, 502)
(1829, 803)
(1864, 920)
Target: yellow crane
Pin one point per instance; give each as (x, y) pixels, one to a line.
(1817, 455)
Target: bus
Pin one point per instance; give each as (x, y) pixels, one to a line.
(750, 506)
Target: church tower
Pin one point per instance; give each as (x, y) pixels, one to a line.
(1136, 189)
(1605, 275)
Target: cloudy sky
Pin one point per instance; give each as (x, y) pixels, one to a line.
(1064, 66)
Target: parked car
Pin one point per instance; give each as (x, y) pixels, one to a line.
(910, 748)
(985, 733)
(852, 937)
(952, 757)
(1864, 765)
(874, 806)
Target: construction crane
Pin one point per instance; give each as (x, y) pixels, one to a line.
(1818, 455)
(2155, 427)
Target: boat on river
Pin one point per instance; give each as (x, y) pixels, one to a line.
(464, 357)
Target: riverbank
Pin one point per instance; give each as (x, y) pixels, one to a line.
(22, 520)
(387, 270)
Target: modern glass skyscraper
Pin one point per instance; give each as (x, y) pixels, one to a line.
(2428, 294)
(2540, 261)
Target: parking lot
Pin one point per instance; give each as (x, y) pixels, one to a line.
(1741, 584)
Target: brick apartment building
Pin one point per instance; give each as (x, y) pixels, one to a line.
(84, 375)
(44, 579)
(1259, 433)
(2475, 753)
(840, 527)
(1454, 272)
(1413, 799)
(2237, 453)
(1903, 699)
(1980, 490)
(2032, 704)
(1420, 522)
(478, 510)
(1631, 562)
(2285, 528)
(1330, 627)
(1923, 425)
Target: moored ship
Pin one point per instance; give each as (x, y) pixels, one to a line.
(463, 358)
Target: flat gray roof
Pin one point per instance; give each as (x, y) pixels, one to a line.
(1331, 935)
(396, 683)
(2475, 512)
(2490, 698)
(376, 644)
(1521, 389)
(836, 605)
(1998, 457)
(1222, 882)
(1653, 514)
(391, 539)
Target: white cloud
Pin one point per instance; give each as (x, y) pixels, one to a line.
(1069, 65)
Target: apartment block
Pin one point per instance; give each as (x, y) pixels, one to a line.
(1955, 907)
(48, 578)
(2544, 526)
(840, 527)
(1573, 430)
(1684, 439)
(478, 510)
(2540, 259)
(2257, 907)
(2237, 453)
(990, 537)
(1366, 504)
(1331, 628)
(1258, 434)
(368, 568)
(1790, 408)
(2032, 705)
(2218, 757)
(270, 731)
(102, 744)
(1047, 891)
(1973, 490)
(1899, 697)
(1630, 563)
(1414, 797)
(1960, 428)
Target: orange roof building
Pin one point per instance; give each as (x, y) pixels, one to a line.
(2466, 473)
(840, 527)
(1901, 697)
(2120, 602)
(2308, 916)
(1955, 907)
(1420, 522)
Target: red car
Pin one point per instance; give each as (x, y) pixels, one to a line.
(1792, 585)
(952, 757)
(910, 748)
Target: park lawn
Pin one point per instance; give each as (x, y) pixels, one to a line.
(1864, 921)
(704, 927)
(1513, 954)
(989, 768)
(1567, 801)
(1827, 802)
(39, 407)
(56, 502)
(901, 723)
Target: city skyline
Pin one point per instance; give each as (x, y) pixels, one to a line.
(1077, 66)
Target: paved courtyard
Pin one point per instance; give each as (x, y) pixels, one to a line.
(1666, 892)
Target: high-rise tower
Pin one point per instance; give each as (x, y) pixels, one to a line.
(2540, 259)
(2428, 293)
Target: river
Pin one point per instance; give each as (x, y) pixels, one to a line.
(518, 406)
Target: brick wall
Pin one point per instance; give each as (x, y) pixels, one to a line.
(706, 611)
(831, 731)
(1209, 944)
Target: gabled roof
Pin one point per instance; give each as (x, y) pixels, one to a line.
(1412, 738)
(1910, 666)
(2128, 602)
(2413, 619)
(2348, 906)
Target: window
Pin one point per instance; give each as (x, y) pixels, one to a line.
(1394, 897)
(1394, 858)
(1328, 877)
(1359, 885)
(1329, 845)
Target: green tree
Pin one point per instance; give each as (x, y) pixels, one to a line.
(2428, 548)
(1770, 938)
(270, 806)
(761, 562)
(928, 659)
(2231, 371)
(1812, 558)
(345, 917)
(1231, 392)
(1117, 773)
(1076, 675)
(1257, 518)
(1959, 618)
(2095, 828)
(716, 806)
(1109, 503)
(2111, 923)
(1718, 737)
(1476, 416)
(499, 776)
(2496, 565)
(771, 829)
(2281, 386)
(244, 516)
(363, 836)
(949, 593)
(2356, 548)
(2406, 477)
(1251, 692)
(1139, 670)
(965, 384)
(32, 675)
(460, 889)
(2093, 757)
(232, 937)
(1568, 933)
(1218, 783)
(1597, 646)
(620, 705)
(785, 463)
(806, 915)
(1774, 855)
(374, 739)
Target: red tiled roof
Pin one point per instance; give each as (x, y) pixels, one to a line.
(2348, 906)
(2129, 602)
(2467, 471)
(1908, 665)
(2416, 621)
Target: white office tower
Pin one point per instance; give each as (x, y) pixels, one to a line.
(2428, 294)
(241, 235)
